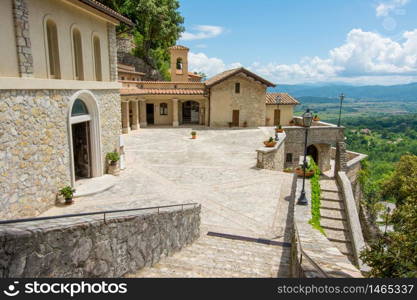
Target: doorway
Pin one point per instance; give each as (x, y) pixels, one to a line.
(150, 117)
(235, 118)
(277, 117)
(191, 112)
(314, 153)
(81, 150)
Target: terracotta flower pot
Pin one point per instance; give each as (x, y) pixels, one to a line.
(270, 144)
(69, 201)
(193, 137)
(279, 130)
(114, 169)
(300, 172)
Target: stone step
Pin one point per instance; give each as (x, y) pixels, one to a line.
(332, 204)
(330, 190)
(330, 195)
(226, 243)
(340, 224)
(344, 248)
(330, 200)
(339, 240)
(330, 207)
(337, 234)
(340, 228)
(333, 214)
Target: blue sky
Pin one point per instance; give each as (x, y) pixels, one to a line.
(352, 41)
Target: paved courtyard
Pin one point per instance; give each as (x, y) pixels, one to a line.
(165, 166)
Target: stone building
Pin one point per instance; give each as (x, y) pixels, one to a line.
(59, 98)
(234, 98)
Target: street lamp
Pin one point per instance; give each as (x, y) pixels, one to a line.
(307, 119)
(342, 97)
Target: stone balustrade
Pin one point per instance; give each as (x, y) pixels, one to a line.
(94, 246)
(272, 158)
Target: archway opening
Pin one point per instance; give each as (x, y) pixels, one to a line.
(81, 140)
(314, 153)
(190, 112)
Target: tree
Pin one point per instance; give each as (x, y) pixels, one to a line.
(158, 26)
(394, 254)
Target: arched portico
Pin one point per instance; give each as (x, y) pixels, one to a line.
(191, 112)
(84, 136)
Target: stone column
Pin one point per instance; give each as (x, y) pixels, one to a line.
(142, 113)
(23, 43)
(175, 122)
(341, 157)
(125, 117)
(135, 115)
(112, 41)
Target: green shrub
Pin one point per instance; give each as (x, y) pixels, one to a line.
(67, 192)
(193, 133)
(315, 196)
(113, 156)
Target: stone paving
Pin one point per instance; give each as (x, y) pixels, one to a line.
(165, 166)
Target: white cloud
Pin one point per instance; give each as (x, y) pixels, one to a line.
(385, 8)
(202, 32)
(365, 56)
(200, 62)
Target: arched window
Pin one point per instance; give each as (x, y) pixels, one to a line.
(78, 55)
(163, 109)
(179, 64)
(97, 58)
(53, 50)
(79, 108)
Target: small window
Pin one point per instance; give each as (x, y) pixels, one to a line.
(78, 55)
(79, 108)
(53, 50)
(97, 58)
(288, 158)
(163, 109)
(123, 78)
(237, 88)
(179, 64)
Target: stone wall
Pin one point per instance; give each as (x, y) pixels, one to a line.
(94, 247)
(312, 254)
(23, 43)
(111, 35)
(151, 73)
(34, 146)
(272, 158)
(250, 102)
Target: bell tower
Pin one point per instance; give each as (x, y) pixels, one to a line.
(179, 63)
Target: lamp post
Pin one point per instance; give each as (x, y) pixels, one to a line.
(342, 97)
(307, 119)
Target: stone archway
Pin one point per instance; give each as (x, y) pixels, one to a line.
(84, 136)
(191, 112)
(314, 153)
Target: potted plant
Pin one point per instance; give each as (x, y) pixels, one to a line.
(288, 170)
(113, 166)
(193, 135)
(245, 124)
(300, 171)
(316, 118)
(270, 143)
(67, 192)
(279, 129)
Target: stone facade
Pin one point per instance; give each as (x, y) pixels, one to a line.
(95, 247)
(250, 102)
(23, 44)
(34, 145)
(111, 35)
(272, 158)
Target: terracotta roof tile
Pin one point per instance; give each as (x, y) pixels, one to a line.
(136, 91)
(280, 98)
(229, 73)
(178, 47)
(108, 11)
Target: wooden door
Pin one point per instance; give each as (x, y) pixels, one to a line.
(277, 117)
(235, 119)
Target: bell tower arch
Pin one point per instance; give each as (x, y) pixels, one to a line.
(179, 63)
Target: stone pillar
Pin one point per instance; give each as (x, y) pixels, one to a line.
(142, 113)
(125, 117)
(23, 44)
(135, 115)
(175, 122)
(112, 41)
(340, 160)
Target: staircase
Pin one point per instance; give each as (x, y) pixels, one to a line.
(216, 257)
(333, 218)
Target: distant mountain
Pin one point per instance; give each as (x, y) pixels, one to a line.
(403, 92)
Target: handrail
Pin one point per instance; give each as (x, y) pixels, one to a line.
(303, 253)
(94, 213)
